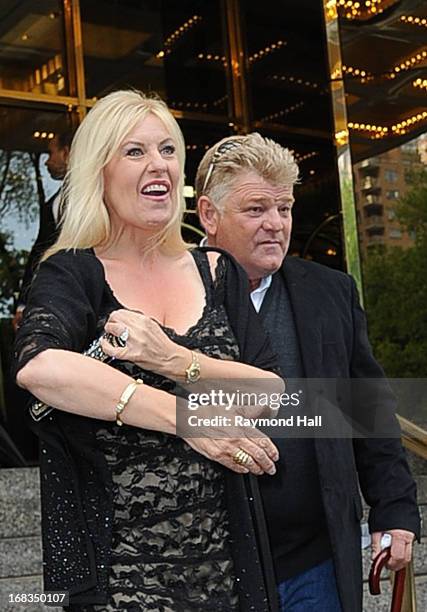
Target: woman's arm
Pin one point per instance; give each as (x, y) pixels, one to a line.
(81, 385)
(150, 348)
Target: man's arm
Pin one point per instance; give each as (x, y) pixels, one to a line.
(385, 479)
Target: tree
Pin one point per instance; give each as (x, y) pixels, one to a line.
(396, 290)
(396, 304)
(21, 195)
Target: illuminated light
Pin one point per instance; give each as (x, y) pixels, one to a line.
(24, 37)
(266, 51)
(43, 134)
(52, 16)
(180, 31)
(331, 252)
(51, 135)
(188, 191)
(36, 134)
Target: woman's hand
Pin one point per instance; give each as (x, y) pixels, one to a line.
(261, 451)
(147, 345)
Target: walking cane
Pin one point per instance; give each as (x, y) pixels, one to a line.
(399, 579)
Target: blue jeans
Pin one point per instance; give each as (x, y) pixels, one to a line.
(313, 590)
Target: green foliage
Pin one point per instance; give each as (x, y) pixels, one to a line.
(396, 304)
(412, 208)
(396, 291)
(11, 270)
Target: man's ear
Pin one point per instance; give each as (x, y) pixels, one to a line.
(208, 215)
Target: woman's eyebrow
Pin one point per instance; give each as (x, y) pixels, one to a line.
(141, 144)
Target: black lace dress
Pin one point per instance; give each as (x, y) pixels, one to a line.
(143, 519)
(171, 542)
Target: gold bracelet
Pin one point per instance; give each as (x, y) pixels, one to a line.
(125, 397)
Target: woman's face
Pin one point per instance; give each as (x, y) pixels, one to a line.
(140, 181)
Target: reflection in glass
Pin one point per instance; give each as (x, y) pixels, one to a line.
(174, 49)
(24, 188)
(32, 55)
(384, 68)
(290, 97)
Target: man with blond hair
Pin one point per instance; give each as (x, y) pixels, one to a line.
(244, 188)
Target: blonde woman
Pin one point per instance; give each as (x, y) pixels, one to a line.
(135, 518)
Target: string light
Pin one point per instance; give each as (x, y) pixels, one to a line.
(189, 105)
(356, 71)
(177, 34)
(419, 21)
(421, 83)
(411, 61)
(341, 137)
(44, 135)
(220, 101)
(376, 131)
(402, 126)
(296, 80)
(301, 158)
(283, 112)
(362, 10)
(262, 53)
(331, 10)
(212, 57)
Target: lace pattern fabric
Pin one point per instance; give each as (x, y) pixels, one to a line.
(171, 543)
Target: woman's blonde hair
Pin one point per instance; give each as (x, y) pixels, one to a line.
(86, 221)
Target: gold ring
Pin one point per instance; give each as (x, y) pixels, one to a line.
(241, 457)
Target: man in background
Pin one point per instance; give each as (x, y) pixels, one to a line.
(50, 215)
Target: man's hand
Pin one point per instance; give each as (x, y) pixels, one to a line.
(401, 547)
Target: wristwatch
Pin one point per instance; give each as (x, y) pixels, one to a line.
(192, 373)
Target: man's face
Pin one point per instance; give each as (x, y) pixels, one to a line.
(57, 161)
(255, 225)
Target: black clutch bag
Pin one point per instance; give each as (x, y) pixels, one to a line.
(38, 410)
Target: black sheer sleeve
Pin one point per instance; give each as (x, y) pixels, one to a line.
(62, 306)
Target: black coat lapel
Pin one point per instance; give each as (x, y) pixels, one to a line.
(304, 298)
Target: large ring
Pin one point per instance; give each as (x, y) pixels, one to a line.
(124, 337)
(241, 457)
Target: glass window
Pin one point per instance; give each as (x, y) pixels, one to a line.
(25, 186)
(32, 57)
(174, 49)
(390, 176)
(288, 77)
(395, 233)
(392, 194)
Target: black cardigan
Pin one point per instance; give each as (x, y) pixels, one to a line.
(68, 295)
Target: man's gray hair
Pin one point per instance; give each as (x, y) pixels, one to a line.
(231, 156)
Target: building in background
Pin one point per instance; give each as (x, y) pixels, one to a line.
(380, 182)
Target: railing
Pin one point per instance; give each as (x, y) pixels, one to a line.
(414, 439)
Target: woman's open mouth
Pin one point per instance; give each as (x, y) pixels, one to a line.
(156, 190)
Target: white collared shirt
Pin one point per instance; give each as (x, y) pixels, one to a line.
(258, 294)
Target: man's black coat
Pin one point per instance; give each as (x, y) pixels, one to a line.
(331, 327)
